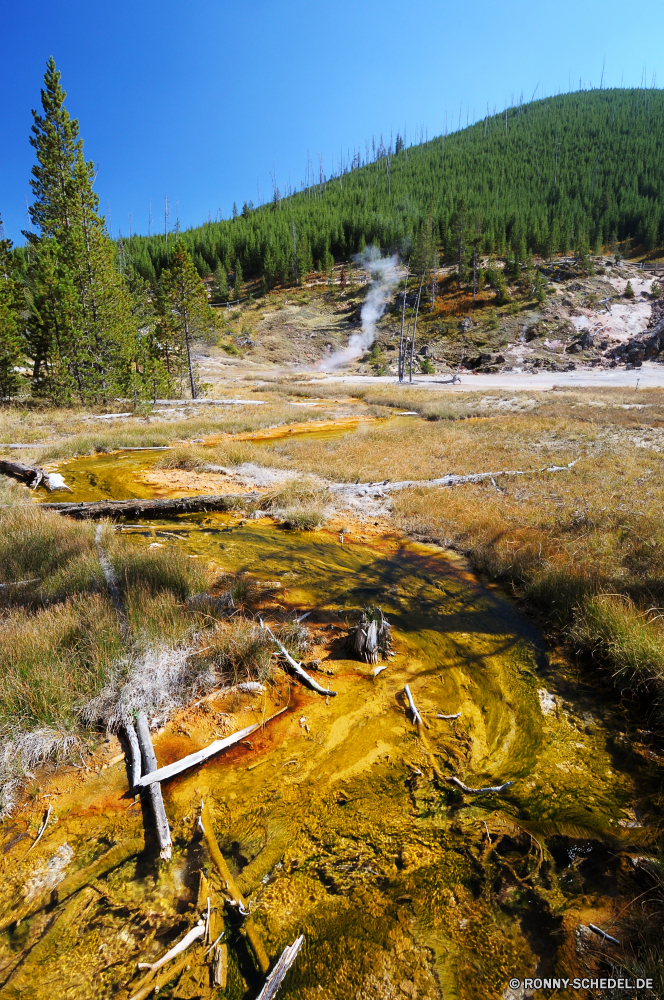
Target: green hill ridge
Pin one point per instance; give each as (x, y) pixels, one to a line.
(579, 169)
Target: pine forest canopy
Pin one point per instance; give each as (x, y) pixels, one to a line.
(583, 168)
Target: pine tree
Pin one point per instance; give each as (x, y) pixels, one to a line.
(184, 314)
(220, 284)
(80, 333)
(238, 280)
(11, 341)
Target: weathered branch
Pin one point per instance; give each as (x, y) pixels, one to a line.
(376, 489)
(278, 974)
(177, 949)
(33, 475)
(154, 985)
(192, 759)
(477, 791)
(43, 827)
(296, 667)
(417, 718)
(603, 934)
(114, 509)
(455, 716)
(154, 789)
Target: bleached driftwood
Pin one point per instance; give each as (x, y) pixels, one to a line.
(150, 508)
(296, 667)
(19, 583)
(193, 935)
(377, 489)
(154, 789)
(379, 670)
(192, 759)
(41, 832)
(455, 716)
(603, 934)
(278, 974)
(134, 752)
(417, 718)
(231, 890)
(477, 791)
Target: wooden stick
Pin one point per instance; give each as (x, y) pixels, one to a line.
(231, 889)
(177, 949)
(43, 827)
(32, 475)
(192, 759)
(278, 974)
(417, 718)
(455, 716)
(154, 789)
(296, 667)
(603, 934)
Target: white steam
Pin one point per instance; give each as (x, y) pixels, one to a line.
(385, 274)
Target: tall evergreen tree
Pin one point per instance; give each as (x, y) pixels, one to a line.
(184, 314)
(11, 341)
(81, 336)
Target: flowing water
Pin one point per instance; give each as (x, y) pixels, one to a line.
(335, 818)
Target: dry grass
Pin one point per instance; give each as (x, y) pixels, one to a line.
(559, 540)
(58, 434)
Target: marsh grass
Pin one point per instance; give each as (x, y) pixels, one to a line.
(300, 503)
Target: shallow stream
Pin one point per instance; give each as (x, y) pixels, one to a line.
(332, 818)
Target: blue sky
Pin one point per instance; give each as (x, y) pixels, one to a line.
(204, 100)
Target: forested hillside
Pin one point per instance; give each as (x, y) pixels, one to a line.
(581, 168)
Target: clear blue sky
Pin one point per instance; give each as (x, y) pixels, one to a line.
(204, 99)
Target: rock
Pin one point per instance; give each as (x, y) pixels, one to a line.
(465, 324)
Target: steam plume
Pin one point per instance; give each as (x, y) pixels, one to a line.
(385, 274)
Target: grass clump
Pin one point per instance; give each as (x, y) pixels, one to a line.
(300, 503)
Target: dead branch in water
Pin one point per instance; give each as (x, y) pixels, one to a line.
(114, 509)
(41, 832)
(455, 716)
(603, 934)
(154, 789)
(477, 791)
(33, 476)
(278, 974)
(297, 668)
(417, 718)
(159, 981)
(192, 759)
(177, 949)
(234, 897)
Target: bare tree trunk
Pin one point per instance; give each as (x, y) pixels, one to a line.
(403, 322)
(412, 342)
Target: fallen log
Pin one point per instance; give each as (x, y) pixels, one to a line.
(378, 489)
(278, 974)
(33, 476)
(154, 789)
(297, 668)
(115, 509)
(134, 752)
(192, 759)
(231, 890)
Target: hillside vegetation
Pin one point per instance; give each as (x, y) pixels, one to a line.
(580, 169)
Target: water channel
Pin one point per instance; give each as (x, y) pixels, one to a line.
(331, 818)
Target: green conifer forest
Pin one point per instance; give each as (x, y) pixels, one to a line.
(560, 174)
